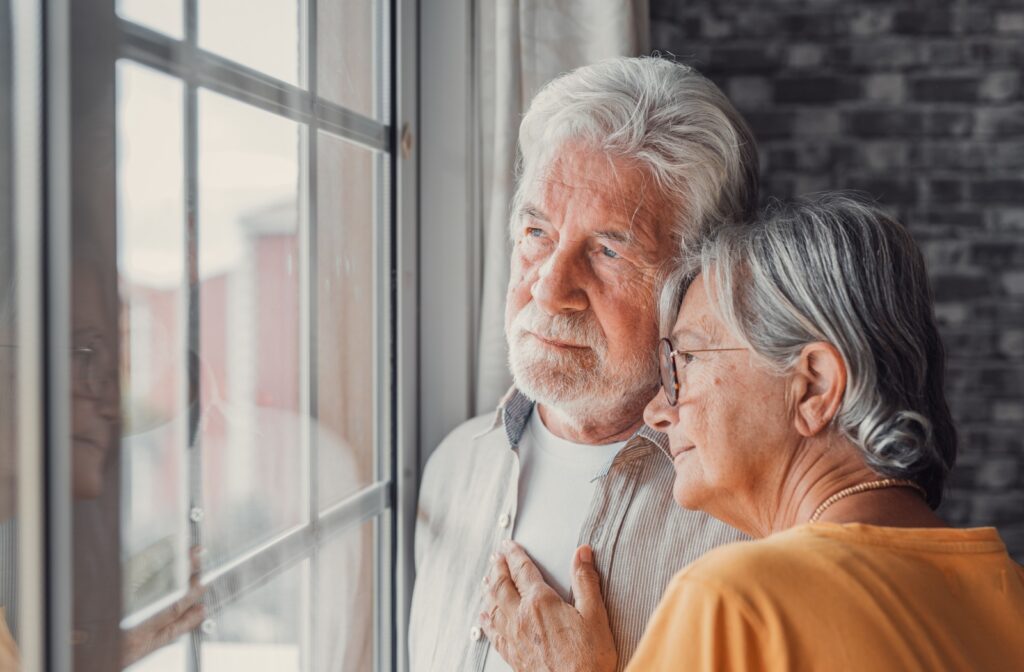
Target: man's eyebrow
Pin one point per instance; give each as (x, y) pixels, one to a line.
(618, 236)
(533, 211)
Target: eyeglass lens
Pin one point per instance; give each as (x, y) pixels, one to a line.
(668, 371)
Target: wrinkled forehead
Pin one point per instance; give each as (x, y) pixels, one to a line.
(697, 325)
(615, 184)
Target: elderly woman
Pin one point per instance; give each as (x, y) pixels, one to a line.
(803, 403)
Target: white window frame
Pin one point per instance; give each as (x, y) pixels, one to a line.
(450, 216)
(66, 30)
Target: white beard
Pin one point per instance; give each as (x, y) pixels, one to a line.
(579, 383)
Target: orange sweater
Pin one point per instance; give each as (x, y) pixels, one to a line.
(843, 597)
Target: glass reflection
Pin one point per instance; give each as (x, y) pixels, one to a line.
(160, 577)
(151, 272)
(253, 481)
(345, 253)
(263, 630)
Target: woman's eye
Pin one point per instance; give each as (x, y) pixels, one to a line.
(609, 252)
(534, 232)
(687, 357)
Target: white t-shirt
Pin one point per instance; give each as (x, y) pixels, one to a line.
(557, 479)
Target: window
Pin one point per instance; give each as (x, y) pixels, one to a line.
(227, 307)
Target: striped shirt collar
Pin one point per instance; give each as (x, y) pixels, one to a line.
(514, 410)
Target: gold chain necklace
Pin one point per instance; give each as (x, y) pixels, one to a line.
(864, 487)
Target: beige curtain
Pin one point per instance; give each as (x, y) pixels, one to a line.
(522, 44)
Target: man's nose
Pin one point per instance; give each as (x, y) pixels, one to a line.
(658, 414)
(558, 289)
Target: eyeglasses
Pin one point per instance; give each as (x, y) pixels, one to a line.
(669, 371)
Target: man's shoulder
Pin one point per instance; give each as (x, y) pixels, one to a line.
(458, 447)
(462, 438)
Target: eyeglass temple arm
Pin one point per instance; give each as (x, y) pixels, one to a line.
(679, 352)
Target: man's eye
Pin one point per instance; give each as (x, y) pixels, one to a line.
(687, 357)
(534, 232)
(609, 252)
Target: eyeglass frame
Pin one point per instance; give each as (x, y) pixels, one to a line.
(667, 367)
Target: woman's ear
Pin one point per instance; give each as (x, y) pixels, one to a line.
(818, 386)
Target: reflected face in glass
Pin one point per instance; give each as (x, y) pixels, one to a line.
(94, 395)
(590, 238)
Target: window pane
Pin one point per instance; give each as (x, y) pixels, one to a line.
(345, 610)
(346, 298)
(263, 630)
(262, 35)
(151, 274)
(165, 16)
(351, 55)
(254, 478)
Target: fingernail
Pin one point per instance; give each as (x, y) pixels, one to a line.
(485, 581)
(586, 555)
(494, 557)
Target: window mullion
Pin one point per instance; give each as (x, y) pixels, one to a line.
(187, 61)
(192, 356)
(310, 294)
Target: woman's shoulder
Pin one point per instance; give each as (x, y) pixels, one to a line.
(771, 563)
(745, 555)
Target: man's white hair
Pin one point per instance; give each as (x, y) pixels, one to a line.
(666, 116)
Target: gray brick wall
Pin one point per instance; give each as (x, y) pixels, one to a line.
(920, 103)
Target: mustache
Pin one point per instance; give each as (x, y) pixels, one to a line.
(576, 328)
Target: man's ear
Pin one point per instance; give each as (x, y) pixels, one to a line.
(818, 386)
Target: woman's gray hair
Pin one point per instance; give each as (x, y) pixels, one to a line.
(666, 116)
(835, 268)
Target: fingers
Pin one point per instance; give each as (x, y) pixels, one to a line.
(492, 620)
(185, 608)
(586, 585)
(501, 589)
(521, 568)
(188, 621)
(500, 598)
(164, 627)
(195, 557)
(494, 631)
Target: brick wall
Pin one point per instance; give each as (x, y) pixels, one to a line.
(922, 105)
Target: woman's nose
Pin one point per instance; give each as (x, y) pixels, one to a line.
(658, 414)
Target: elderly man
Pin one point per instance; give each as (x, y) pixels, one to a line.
(623, 162)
